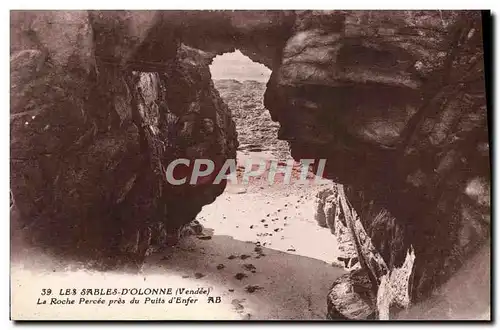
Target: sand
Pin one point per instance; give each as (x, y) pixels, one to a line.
(293, 263)
(265, 232)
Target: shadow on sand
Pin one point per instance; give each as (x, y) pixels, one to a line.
(290, 287)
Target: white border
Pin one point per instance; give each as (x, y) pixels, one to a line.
(253, 4)
(258, 4)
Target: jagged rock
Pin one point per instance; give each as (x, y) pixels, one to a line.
(319, 211)
(192, 228)
(330, 214)
(256, 132)
(130, 38)
(395, 288)
(403, 94)
(350, 298)
(64, 36)
(376, 242)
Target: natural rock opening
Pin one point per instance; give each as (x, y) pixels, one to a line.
(239, 67)
(241, 83)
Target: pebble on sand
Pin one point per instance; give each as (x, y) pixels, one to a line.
(240, 276)
(252, 288)
(249, 267)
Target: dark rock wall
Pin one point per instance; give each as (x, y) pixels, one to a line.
(89, 148)
(396, 102)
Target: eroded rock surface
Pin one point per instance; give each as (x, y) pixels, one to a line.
(373, 248)
(89, 149)
(396, 102)
(256, 131)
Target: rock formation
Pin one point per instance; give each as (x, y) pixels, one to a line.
(374, 251)
(101, 102)
(89, 147)
(396, 102)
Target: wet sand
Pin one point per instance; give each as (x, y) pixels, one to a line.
(269, 229)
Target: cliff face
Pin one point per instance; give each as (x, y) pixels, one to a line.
(101, 102)
(395, 101)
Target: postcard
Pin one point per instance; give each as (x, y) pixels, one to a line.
(250, 165)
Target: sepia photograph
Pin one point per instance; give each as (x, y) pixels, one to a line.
(250, 165)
